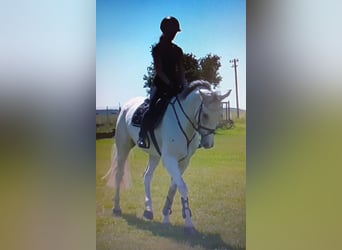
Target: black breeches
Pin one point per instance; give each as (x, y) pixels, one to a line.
(158, 100)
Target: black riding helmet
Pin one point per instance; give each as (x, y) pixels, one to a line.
(169, 24)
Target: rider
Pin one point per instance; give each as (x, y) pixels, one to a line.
(170, 77)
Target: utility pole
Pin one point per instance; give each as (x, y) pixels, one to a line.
(234, 61)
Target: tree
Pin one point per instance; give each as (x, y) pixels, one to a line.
(151, 73)
(210, 65)
(191, 67)
(148, 79)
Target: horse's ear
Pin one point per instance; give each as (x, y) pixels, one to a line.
(225, 95)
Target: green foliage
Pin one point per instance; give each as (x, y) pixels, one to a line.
(210, 65)
(151, 73)
(148, 79)
(192, 68)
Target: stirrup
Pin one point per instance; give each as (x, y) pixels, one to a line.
(141, 143)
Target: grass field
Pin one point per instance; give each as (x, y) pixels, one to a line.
(216, 182)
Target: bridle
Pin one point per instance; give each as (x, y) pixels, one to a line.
(209, 131)
(197, 127)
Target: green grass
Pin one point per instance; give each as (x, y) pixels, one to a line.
(216, 182)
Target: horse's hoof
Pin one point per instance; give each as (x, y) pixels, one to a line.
(190, 231)
(117, 212)
(148, 215)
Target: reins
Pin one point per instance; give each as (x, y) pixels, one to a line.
(188, 141)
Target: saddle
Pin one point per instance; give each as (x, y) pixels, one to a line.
(139, 113)
(161, 106)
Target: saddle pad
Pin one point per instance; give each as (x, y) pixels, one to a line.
(139, 113)
(159, 111)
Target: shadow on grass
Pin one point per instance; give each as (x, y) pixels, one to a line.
(205, 240)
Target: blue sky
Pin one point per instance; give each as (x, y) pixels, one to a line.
(125, 31)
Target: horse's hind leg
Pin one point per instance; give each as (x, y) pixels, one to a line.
(152, 164)
(123, 145)
(122, 155)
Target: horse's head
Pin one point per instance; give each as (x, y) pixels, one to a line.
(209, 116)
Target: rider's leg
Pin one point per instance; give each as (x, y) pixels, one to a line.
(147, 119)
(143, 130)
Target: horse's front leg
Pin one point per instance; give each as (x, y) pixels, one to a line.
(172, 167)
(152, 164)
(167, 210)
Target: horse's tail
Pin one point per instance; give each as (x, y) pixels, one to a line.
(118, 173)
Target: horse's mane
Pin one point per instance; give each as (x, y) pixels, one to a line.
(194, 85)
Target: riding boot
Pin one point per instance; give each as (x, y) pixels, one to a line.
(146, 121)
(143, 132)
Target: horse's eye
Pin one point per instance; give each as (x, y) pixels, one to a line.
(205, 116)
